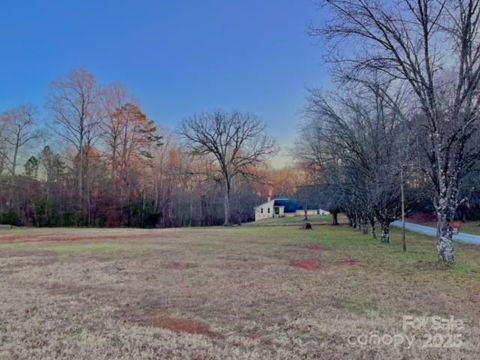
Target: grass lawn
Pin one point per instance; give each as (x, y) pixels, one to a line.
(296, 220)
(248, 292)
(471, 227)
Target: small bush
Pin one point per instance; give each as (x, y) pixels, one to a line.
(10, 218)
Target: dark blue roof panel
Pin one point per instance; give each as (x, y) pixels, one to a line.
(291, 206)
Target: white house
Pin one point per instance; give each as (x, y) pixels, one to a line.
(284, 208)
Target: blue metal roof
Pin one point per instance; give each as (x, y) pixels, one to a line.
(290, 206)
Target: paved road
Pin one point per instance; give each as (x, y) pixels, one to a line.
(430, 231)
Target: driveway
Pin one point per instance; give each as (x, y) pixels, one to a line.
(430, 231)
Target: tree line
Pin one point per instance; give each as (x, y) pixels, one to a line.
(99, 160)
(403, 119)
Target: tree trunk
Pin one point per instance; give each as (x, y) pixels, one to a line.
(372, 229)
(190, 221)
(386, 233)
(13, 187)
(15, 156)
(402, 195)
(445, 208)
(335, 219)
(227, 203)
(86, 185)
(446, 251)
(364, 226)
(80, 182)
(350, 221)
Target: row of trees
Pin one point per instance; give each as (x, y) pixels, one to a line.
(406, 110)
(354, 145)
(101, 161)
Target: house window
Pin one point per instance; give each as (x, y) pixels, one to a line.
(269, 210)
(261, 210)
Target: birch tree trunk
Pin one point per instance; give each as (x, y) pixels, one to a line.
(445, 206)
(445, 242)
(445, 248)
(364, 225)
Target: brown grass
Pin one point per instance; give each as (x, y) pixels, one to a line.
(225, 293)
(69, 235)
(349, 263)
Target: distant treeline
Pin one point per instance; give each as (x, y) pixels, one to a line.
(99, 160)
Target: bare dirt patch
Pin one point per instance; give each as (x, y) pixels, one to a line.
(310, 265)
(161, 319)
(179, 325)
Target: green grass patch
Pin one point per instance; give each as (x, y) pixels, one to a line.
(345, 242)
(292, 221)
(471, 228)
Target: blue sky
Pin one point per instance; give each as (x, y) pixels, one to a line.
(178, 57)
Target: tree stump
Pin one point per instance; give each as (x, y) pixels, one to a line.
(307, 226)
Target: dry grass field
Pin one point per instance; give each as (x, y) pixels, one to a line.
(231, 293)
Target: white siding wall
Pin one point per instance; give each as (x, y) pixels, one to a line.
(312, 212)
(264, 211)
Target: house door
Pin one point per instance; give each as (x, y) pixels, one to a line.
(276, 211)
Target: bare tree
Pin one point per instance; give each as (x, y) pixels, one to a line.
(115, 169)
(433, 46)
(18, 131)
(353, 138)
(74, 103)
(236, 142)
(113, 99)
(3, 145)
(128, 136)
